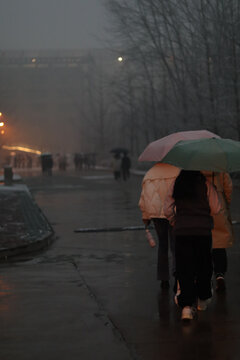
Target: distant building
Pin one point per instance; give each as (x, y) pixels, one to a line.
(49, 97)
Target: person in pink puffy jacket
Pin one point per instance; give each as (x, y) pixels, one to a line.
(155, 186)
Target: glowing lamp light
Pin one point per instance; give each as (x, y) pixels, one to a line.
(34, 60)
(0, 114)
(21, 148)
(120, 59)
(2, 132)
(1, 123)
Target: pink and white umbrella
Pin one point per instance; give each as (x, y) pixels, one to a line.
(156, 150)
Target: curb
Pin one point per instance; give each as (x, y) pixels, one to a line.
(37, 245)
(35, 232)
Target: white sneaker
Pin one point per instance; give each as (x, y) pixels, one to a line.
(202, 304)
(187, 313)
(220, 284)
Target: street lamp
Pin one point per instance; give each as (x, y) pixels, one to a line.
(2, 124)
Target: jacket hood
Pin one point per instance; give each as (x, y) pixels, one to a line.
(162, 171)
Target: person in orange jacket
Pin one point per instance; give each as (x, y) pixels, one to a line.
(222, 233)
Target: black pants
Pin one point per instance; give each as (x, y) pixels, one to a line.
(163, 230)
(193, 268)
(219, 261)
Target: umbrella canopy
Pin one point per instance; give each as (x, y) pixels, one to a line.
(156, 150)
(219, 155)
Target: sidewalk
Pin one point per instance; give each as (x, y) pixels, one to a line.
(95, 296)
(23, 226)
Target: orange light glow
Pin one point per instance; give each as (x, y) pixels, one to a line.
(21, 148)
(2, 132)
(1, 123)
(0, 114)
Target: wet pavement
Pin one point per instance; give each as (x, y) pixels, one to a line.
(95, 295)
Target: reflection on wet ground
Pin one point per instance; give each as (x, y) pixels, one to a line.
(6, 291)
(151, 322)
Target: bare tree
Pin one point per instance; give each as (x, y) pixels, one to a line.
(187, 52)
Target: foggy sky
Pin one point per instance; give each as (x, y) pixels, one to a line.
(51, 24)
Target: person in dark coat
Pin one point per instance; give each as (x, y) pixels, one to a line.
(116, 166)
(125, 166)
(47, 164)
(190, 207)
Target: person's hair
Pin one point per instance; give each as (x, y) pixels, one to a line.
(187, 185)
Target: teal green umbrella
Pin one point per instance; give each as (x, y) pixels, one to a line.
(220, 155)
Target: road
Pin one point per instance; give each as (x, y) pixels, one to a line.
(94, 296)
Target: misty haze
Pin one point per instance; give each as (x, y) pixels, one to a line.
(73, 77)
(102, 104)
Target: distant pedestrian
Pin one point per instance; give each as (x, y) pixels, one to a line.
(29, 161)
(116, 166)
(189, 207)
(62, 163)
(78, 161)
(125, 166)
(86, 161)
(47, 164)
